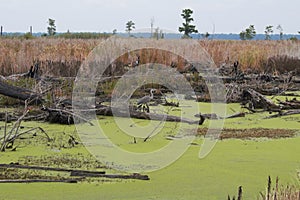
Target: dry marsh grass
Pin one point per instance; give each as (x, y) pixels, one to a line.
(66, 55)
(252, 54)
(63, 57)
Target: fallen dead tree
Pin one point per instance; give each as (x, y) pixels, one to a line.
(258, 101)
(107, 111)
(63, 116)
(19, 93)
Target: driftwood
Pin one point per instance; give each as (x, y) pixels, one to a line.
(19, 93)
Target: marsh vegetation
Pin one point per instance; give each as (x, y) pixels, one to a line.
(260, 137)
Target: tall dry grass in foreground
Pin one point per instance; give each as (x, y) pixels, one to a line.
(63, 57)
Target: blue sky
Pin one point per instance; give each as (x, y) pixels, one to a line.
(220, 16)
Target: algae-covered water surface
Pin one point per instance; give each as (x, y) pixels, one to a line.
(245, 162)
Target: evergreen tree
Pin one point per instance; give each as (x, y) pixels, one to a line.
(186, 27)
(130, 25)
(248, 34)
(51, 27)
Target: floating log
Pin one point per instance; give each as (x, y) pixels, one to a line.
(18, 166)
(112, 176)
(73, 172)
(39, 181)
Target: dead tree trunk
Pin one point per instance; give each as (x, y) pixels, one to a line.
(19, 93)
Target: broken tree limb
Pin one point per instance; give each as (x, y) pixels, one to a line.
(28, 131)
(13, 132)
(236, 115)
(19, 93)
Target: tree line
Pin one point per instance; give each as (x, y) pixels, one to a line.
(187, 29)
